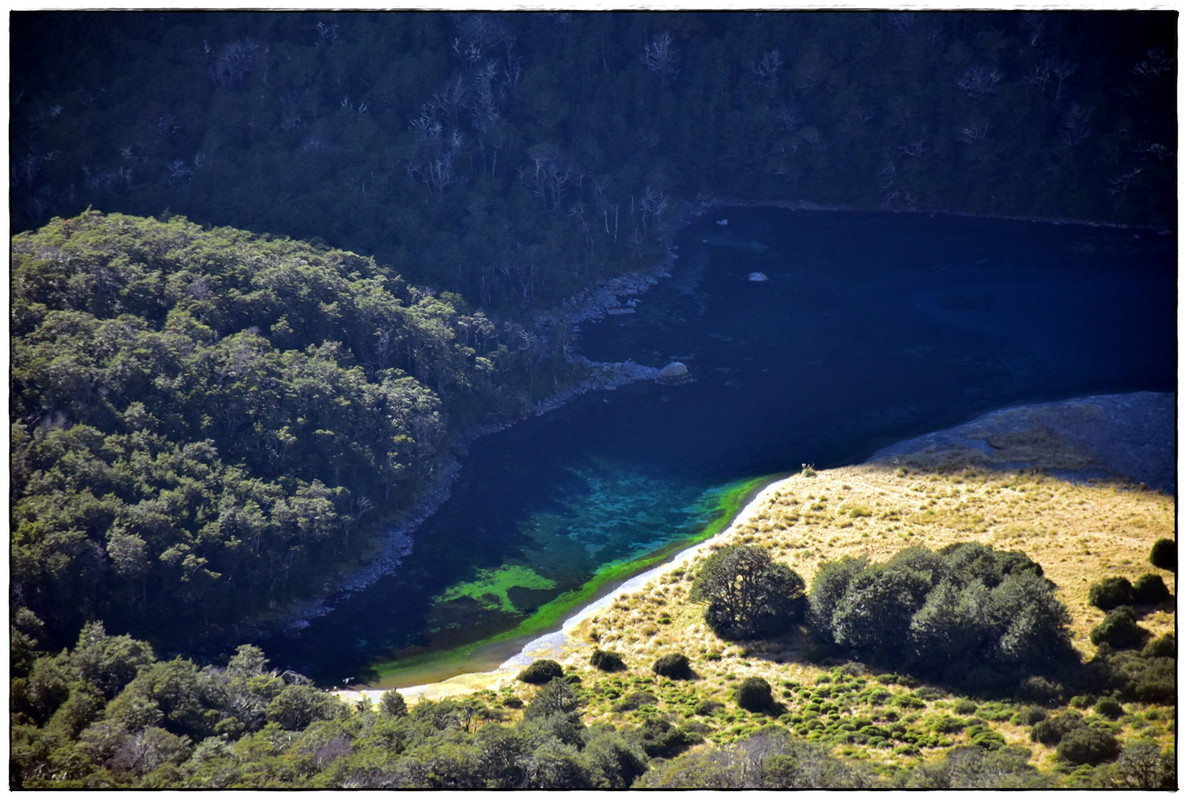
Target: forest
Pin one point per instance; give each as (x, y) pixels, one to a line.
(514, 158)
(268, 271)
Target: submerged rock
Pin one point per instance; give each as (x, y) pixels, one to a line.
(673, 374)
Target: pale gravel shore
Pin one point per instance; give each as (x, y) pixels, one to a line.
(1131, 436)
(553, 645)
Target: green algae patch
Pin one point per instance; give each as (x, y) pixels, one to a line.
(491, 587)
(714, 511)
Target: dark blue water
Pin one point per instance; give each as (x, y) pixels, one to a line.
(870, 328)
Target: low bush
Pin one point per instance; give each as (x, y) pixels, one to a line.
(1162, 647)
(1119, 630)
(1111, 592)
(1088, 745)
(607, 661)
(1150, 590)
(1038, 689)
(673, 665)
(1163, 555)
(1051, 731)
(986, 738)
(1029, 715)
(964, 706)
(635, 700)
(947, 724)
(540, 671)
(707, 708)
(661, 739)
(754, 694)
(391, 704)
(1108, 707)
(1143, 679)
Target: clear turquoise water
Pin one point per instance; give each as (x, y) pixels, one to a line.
(871, 328)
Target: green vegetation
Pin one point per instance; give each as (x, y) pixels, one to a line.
(607, 661)
(747, 595)
(1150, 590)
(540, 671)
(1110, 593)
(1164, 554)
(673, 665)
(754, 694)
(492, 585)
(1120, 630)
(207, 423)
(969, 615)
(514, 158)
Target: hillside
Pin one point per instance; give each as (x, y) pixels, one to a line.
(516, 158)
(207, 424)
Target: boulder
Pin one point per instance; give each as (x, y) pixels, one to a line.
(674, 373)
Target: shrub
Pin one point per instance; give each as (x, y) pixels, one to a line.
(964, 706)
(1156, 682)
(707, 708)
(754, 694)
(1051, 731)
(986, 738)
(1030, 715)
(673, 665)
(635, 700)
(947, 724)
(1162, 647)
(1163, 555)
(540, 671)
(1110, 593)
(747, 594)
(1038, 689)
(1150, 590)
(1119, 630)
(661, 739)
(391, 704)
(828, 589)
(1087, 745)
(1108, 707)
(607, 661)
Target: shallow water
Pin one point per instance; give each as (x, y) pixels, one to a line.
(870, 328)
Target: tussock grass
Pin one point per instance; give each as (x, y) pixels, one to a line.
(1079, 531)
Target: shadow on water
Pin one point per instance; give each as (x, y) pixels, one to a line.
(868, 329)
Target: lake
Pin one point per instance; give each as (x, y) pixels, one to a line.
(868, 329)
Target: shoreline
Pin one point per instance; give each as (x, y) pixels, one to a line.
(590, 305)
(1145, 420)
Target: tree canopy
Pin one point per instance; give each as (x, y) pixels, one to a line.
(515, 157)
(969, 614)
(747, 594)
(207, 422)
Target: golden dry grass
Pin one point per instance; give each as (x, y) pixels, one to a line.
(1079, 532)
